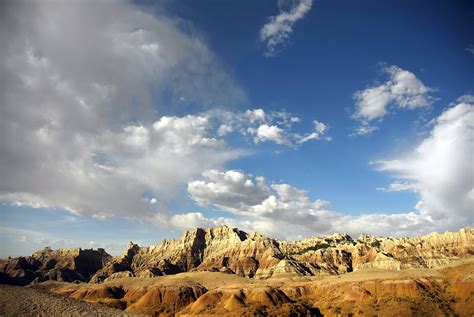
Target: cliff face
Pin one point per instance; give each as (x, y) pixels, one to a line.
(230, 250)
(62, 265)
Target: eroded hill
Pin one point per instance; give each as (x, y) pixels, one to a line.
(445, 291)
(225, 271)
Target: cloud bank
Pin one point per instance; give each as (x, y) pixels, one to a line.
(440, 169)
(284, 211)
(84, 88)
(82, 83)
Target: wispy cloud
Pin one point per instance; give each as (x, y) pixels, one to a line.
(276, 32)
(470, 49)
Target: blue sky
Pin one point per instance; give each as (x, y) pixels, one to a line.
(137, 120)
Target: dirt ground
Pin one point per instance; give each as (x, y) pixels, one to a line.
(444, 291)
(25, 301)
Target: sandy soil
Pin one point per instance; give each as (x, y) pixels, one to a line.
(25, 301)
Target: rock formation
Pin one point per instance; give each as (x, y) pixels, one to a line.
(226, 271)
(445, 291)
(230, 250)
(62, 265)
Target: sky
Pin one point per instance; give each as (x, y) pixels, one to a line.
(136, 120)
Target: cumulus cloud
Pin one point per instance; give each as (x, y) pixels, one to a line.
(285, 211)
(117, 169)
(82, 83)
(243, 194)
(229, 190)
(402, 90)
(261, 126)
(270, 133)
(61, 147)
(83, 87)
(259, 205)
(277, 30)
(191, 220)
(440, 169)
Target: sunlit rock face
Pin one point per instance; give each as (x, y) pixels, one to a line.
(230, 250)
(226, 271)
(253, 255)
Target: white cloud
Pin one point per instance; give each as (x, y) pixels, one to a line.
(181, 134)
(397, 187)
(286, 212)
(171, 151)
(440, 169)
(191, 220)
(383, 224)
(224, 129)
(79, 129)
(364, 129)
(259, 205)
(81, 85)
(230, 190)
(261, 126)
(320, 127)
(402, 90)
(255, 115)
(372, 102)
(270, 133)
(320, 130)
(136, 136)
(277, 30)
(77, 167)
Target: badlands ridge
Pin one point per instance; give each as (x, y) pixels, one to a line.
(226, 271)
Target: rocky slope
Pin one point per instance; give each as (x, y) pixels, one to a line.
(445, 291)
(62, 265)
(253, 255)
(231, 250)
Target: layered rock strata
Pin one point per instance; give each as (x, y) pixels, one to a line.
(253, 255)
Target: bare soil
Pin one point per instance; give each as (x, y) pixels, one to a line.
(26, 301)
